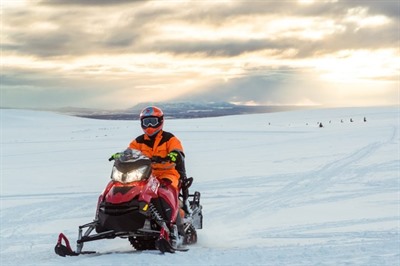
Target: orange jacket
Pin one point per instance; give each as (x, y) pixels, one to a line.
(159, 146)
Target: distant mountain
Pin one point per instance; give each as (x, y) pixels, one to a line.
(179, 110)
(188, 109)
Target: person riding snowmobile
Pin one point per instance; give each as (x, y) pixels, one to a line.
(143, 204)
(162, 147)
(166, 152)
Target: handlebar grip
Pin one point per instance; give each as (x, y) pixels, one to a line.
(158, 159)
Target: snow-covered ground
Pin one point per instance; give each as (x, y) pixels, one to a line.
(276, 188)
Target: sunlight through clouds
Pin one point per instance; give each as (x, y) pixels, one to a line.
(361, 65)
(183, 50)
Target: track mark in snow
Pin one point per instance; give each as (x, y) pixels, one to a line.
(315, 182)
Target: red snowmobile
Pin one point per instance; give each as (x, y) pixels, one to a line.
(136, 206)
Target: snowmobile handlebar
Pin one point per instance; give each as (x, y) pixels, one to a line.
(154, 159)
(159, 159)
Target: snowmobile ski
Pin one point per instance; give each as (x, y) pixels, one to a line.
(66, 250)
(164, 246)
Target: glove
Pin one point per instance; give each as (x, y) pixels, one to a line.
(115, 156)
(173, 156)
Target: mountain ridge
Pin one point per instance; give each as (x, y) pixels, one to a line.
(180, 110)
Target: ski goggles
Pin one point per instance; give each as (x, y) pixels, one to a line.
(150, 121)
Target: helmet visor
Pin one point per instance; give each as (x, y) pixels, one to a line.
(150, 122)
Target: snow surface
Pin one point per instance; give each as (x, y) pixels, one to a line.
(276, 188)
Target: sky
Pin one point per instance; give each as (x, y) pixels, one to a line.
(115, 54)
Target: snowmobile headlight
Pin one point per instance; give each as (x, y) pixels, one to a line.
(132, 176)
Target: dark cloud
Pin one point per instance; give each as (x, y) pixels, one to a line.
(45, 44)
(226, 12)
(73, 33)
(213, 48)
(389, 8)
(281, 86)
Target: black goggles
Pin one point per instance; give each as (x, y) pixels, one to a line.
(150, 121)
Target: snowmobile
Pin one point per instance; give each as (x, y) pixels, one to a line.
(135, 205)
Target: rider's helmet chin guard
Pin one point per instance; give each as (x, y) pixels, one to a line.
(151, 120)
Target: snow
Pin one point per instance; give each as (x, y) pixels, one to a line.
(276, 188)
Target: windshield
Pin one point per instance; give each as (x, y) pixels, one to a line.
(131, 166)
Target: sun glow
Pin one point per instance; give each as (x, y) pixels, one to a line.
(14, 3)
(353, 66)
(306, 2)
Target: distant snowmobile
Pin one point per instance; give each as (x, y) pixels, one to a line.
(135, 206)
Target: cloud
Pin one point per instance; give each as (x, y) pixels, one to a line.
(88, 2)
(294, 87)
(280, 51)
(275, 86)
(87, 30)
